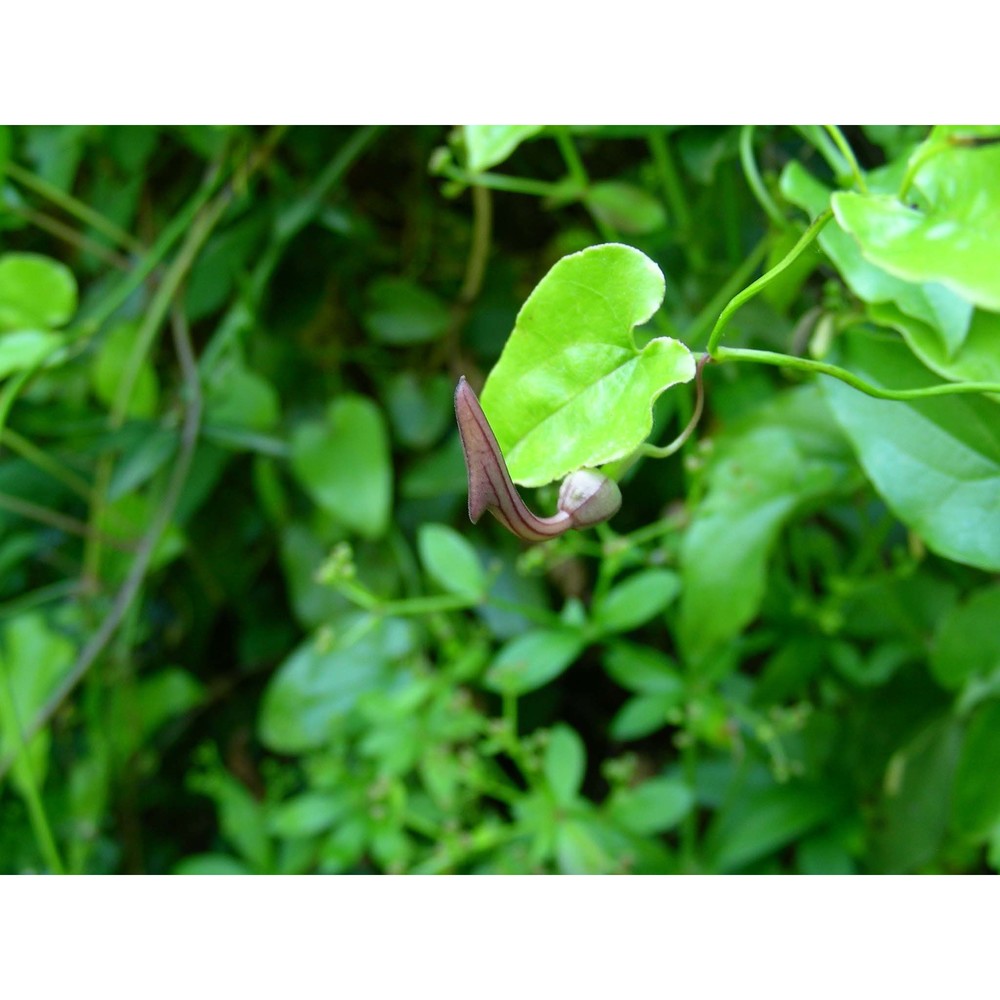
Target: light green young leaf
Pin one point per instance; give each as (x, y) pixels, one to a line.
(936, 462)
(23, 349)
(35, 292)
(644, 714)
(343, 463)
(488, 145)
(571, 390)
(953, 238)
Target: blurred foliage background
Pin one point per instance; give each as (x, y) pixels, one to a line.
(245, 625)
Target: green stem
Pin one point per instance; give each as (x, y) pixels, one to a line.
(755, 181)
(765, 279)
(76, 208)
(845, 150)
(921, 155)
(24, 772)
(39, 457)
(869, 389)
(670, 180)
(570, 155)
(504, 182)
(733, 284)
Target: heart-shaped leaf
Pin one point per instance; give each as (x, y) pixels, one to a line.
(571, 390)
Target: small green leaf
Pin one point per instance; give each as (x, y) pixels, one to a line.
(450, 560)
(977, 780)
(571, 390)
(236, 396)
(343, 463)
(967, 643)
(643, 669)
(643, 715)
(936, 462)
(401, 313)
(489, 145)
(652, 807)
(625, 207)
(307, 814)
(564, 764)
(533, 660)
(638, 599)
(952, 238)
(35, 291)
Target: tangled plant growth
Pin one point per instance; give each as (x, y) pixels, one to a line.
(246, 626)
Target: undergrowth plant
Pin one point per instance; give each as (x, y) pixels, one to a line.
(247, 625)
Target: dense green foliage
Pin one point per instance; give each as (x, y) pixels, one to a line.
(246, 626)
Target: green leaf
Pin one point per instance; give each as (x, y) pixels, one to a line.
(211, 864)
(578, 851)
(315, 688)
(912, 817)
(307, 814)
(625, 207)
(977, 779)
(419, 409)
(643, 715)
(343, 463)
(35, 291)
(533, 660)
(643, 669)
(638, 599)
(967, 643)
(975, 359)
(401, 313)
(763, 821)
(488, 145)
(571, 390)
(106, 372)
(450, 560)
(564, 764)
(34, 658)
(936, 462)
(238, 397)
(652, 807)
(953, 237)
(941, 309)
(785, 456)
(25, 349)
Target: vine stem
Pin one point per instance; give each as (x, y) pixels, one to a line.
(755, 181)
(765, 279)
(868, 388)
(845, 150)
